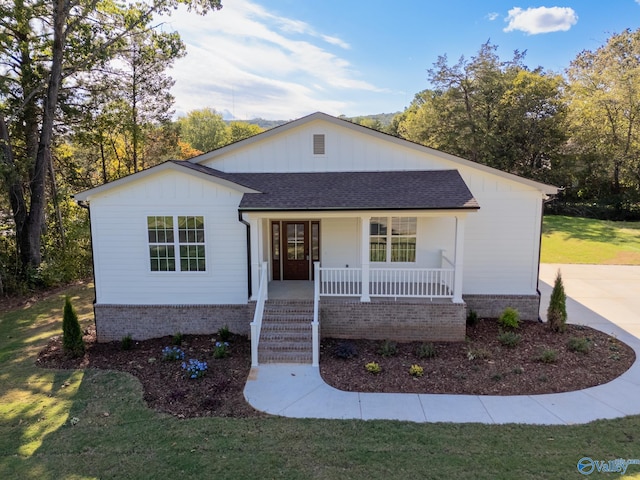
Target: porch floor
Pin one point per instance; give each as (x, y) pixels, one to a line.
(291, 290)
(303, 290)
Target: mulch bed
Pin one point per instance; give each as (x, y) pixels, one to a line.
(482, 365)
(167, 389)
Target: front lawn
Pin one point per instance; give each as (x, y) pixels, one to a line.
(78, 424)
(585, 240)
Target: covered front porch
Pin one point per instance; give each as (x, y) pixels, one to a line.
(350, 254)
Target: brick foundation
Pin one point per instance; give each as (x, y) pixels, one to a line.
(401, 321)
(380, 319)
(113, 322)
(491, 306)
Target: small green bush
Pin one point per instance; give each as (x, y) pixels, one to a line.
(416, 371)
(72, 341)
(388, 349)
(220, 350)
(426, 350)
(472, 318)
(509, 339)
(548, 355)
(373, 367)
(510, 318)
(177, 339)
(345, 350)
(557, 311)
(126, 343)
(478, 353)
(224, 333)
(579, 344)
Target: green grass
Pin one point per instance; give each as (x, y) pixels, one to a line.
(116, 436)
(584, 240)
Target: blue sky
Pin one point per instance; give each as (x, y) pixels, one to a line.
(283, 59)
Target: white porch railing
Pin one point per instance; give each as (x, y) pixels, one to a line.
(256, 324)
(411, 282)
(387, 282)
(339, 282)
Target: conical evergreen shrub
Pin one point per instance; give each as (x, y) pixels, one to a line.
(72, 341)
(557, 311)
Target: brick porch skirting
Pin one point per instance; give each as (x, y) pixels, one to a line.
(113, 322)
(401, 321)
(491, 306)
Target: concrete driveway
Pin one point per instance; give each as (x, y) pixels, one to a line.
(611, 291)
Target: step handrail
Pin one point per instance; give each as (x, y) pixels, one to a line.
(315, 324)
(256, 324)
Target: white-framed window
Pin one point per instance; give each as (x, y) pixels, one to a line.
(392, 239)
(176, 243)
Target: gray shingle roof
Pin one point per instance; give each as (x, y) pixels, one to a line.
(390, 190)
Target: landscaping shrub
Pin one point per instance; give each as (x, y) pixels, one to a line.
(472, 318)
(579, 344)
(172, 353)
(548, 355)
(510, 318)
(509, 339)
(126, 343)
(220, 350)
(177, 339)
(426, 350)
(557, 311)
(388, 349)
(373, 367)
(345, 350)
(416, 371)
(72, 341)
(195, 368)
(478, 353)
(224, 333)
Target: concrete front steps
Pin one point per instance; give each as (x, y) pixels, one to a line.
(286, 332)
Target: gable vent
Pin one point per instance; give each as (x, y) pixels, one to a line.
(318, 144)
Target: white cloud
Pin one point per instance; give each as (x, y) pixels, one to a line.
(541, 19)
(252, 62)
(493, 15)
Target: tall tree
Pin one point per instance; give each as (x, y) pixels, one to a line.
(146, 86)
(493, 112)
(46, 49)
(604, 91)
(204, 129)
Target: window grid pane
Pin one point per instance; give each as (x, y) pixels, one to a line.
(191, 237)
(397, 244)
(163, 258)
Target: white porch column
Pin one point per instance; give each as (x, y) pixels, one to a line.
(364, 248)
(256, 240)
(458, 260)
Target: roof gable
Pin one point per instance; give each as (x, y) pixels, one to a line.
(390, 139)
(179, 166)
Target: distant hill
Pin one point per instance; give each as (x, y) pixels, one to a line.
(383, 118)
(261, 122)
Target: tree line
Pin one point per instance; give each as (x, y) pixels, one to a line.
(85, 99)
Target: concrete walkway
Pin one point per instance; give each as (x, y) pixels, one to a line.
(603, 297)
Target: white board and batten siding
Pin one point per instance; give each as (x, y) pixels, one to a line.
(501, 239)
(121, 248)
